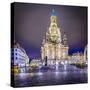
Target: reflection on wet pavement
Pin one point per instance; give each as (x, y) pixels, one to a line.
(67, 75)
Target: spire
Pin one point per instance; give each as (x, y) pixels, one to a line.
(53, 13)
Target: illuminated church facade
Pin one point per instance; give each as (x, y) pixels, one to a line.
(54, 47)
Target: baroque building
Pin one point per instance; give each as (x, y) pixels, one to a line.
(54, 47)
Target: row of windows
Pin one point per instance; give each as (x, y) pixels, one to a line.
(14, 54)
(19, 53)
(14, 58)
(17, 49)
(13, 49)
(18, 58)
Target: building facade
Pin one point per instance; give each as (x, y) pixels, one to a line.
(19, 56)
(77, 57)
(54, 47)
(36, 62)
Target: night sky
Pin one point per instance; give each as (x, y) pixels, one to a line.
(32, 22)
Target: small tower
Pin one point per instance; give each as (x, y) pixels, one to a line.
(65, 39)
(43, 41)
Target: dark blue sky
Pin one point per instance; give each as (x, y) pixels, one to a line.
(32, 21)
